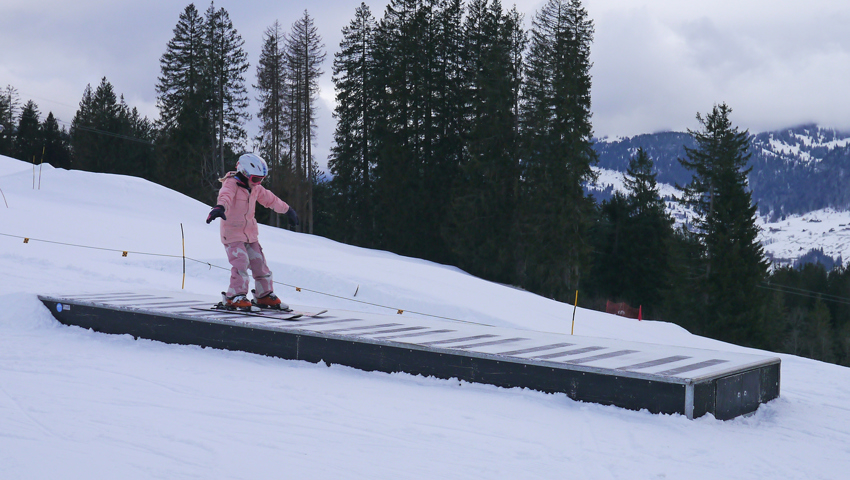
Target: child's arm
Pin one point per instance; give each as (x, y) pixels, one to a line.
(269, 200)
(227, 194)
(224, 201)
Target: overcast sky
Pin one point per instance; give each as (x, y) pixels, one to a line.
(777, 63)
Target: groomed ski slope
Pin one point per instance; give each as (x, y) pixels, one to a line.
(78, 404)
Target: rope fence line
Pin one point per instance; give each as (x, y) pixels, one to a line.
(399, 311)
(125, 253)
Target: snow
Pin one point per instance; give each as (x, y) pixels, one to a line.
(79, 404)
(816, 137)
(789, 149)
(796, 235)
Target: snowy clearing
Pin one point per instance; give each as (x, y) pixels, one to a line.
(77, 404)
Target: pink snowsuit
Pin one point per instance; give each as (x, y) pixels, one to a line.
(239, 235)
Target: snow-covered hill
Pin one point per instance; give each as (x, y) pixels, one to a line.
(789, 238)
(806, 144)
(785, 239)
(78, 404)
(794, 170)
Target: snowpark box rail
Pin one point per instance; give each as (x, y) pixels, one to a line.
(658, 378)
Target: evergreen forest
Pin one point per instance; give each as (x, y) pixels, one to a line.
(465, 139)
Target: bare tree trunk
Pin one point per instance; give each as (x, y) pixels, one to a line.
(309, 124)
(221, 129)
(299, 142)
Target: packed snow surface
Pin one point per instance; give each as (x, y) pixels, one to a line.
(80, 404)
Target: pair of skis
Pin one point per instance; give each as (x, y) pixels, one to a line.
(254, 311)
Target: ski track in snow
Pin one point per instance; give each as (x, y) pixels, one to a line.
(79, 404)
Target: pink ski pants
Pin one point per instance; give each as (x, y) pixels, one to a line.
(243, 256)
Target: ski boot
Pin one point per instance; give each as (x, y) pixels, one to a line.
(270, 301)
(236, 302)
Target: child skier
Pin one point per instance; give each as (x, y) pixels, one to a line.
(240, 190)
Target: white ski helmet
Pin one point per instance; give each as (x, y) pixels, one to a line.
(253, 167)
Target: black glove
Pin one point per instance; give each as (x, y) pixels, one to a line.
(292, 216)
(217, 211)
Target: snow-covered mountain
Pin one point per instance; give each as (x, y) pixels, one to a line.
(79, 404)
(806, 145)
(794, 171)
(799, 180)
(785, 239)
(799, 170)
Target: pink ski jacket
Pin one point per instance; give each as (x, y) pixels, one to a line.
(239, 206)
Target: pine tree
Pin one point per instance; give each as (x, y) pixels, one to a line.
(273, 114)
(557, 149)
(397, 178)
(609, 276)
(181, 85)
(518, 44)
(419, 124)
(9, 110)
(304, 55)
(651, 231)
(5, 127)
(632, 240)
(82, 137)
(182, 92)
(95, 130)
(136, 148)
(227, 100)
(821, 335)
(839, 285)
(642, 184)
(843, 342)
(482, 230)
(352, 158)
(446, 122)
(29, 141)
(105, 121)
(108, 136)
(733, 261)
(684, 260)
(56, 143)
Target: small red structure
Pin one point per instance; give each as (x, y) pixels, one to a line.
(623, 309)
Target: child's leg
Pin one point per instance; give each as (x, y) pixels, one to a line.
(260, 271)
(238, 257)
